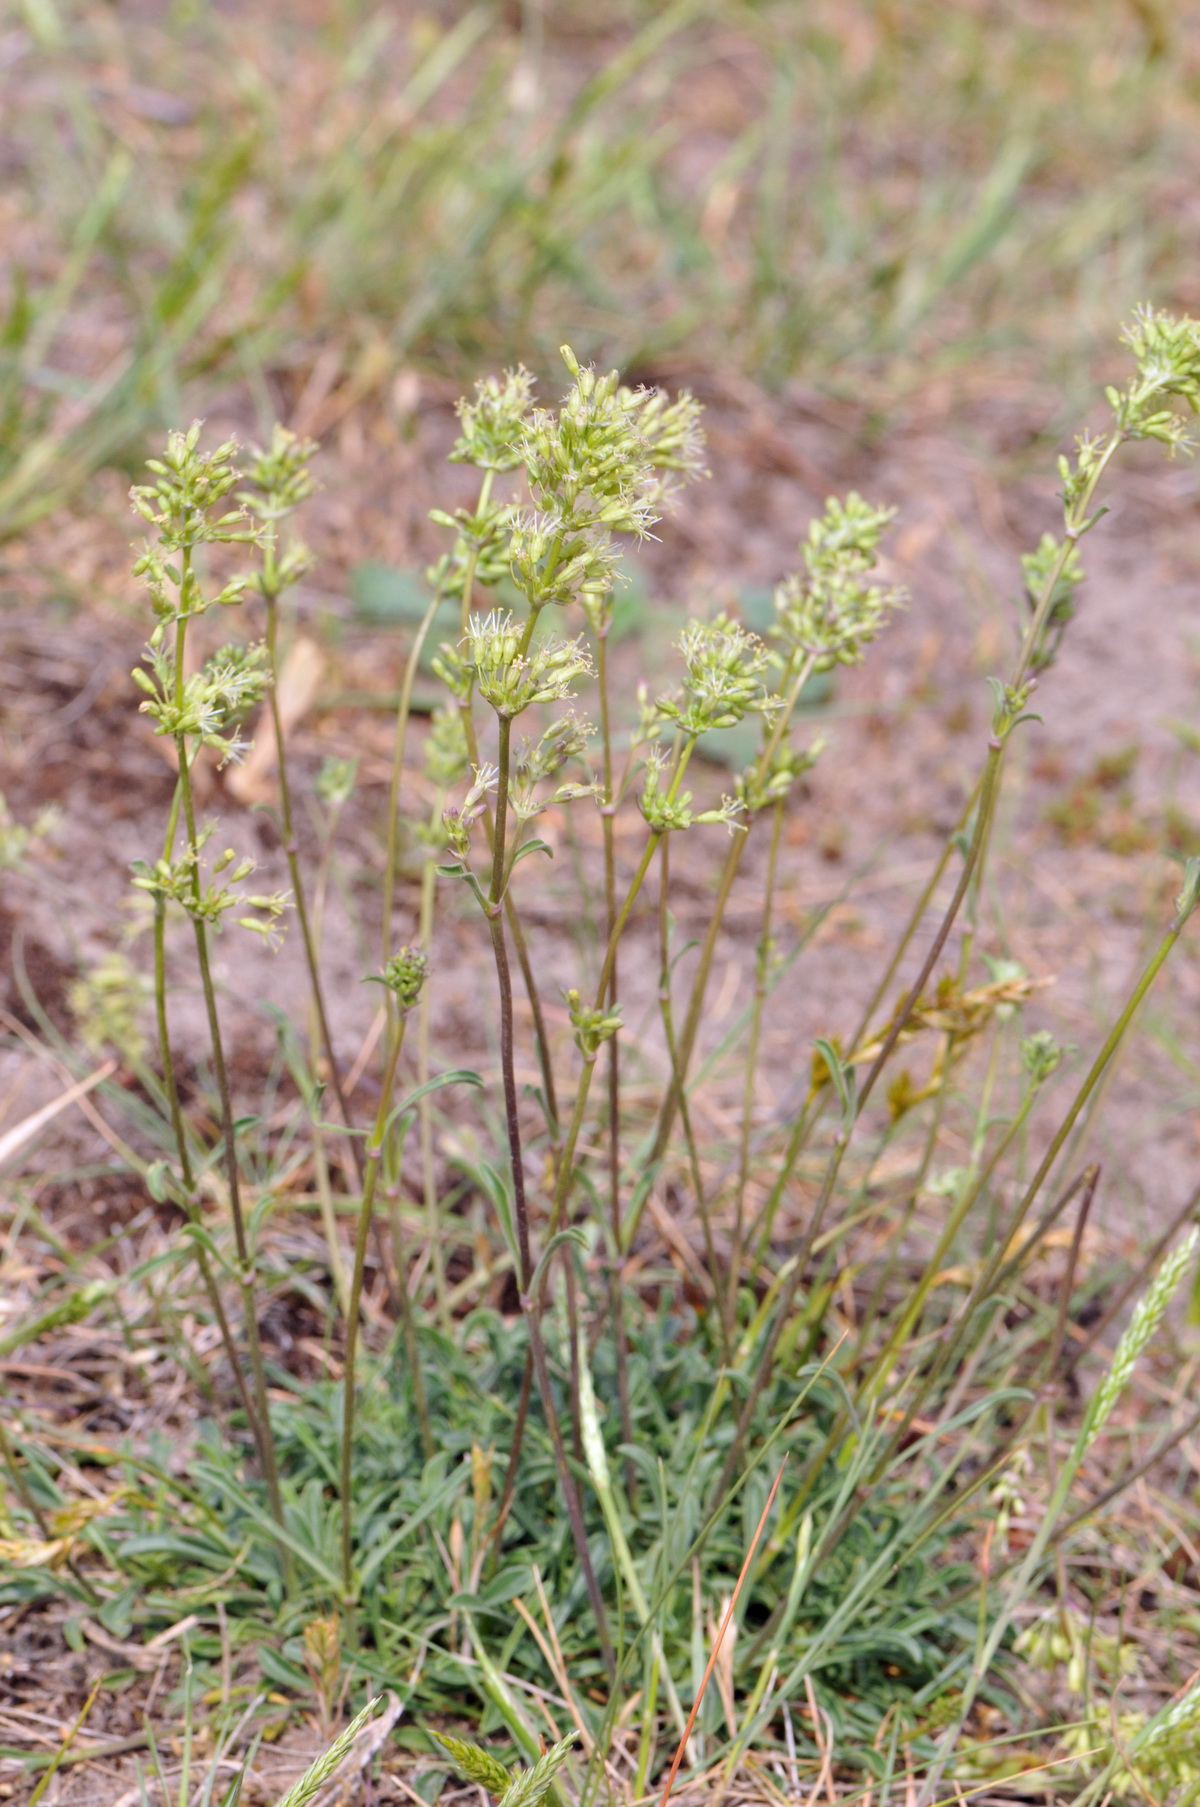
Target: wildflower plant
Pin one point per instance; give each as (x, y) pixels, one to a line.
(567, 1489)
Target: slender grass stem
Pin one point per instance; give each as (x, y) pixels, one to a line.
(766, 1357)
(998, 1263)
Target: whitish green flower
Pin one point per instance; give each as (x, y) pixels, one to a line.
(189, 487)
(830, 613)
(670, 430)
(512, 680)
(555, 560)
(588, 458)
(756, 789)
(493, 422)
(280, 475)
(335, 782)
(108, 1002)
(1040, 1055)
(214, 700)
(482, 546)
(459, 819)
(722, 677)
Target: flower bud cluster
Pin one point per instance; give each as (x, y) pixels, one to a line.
(482, 545)
(1040, 1056)
(540, 761)
(670, 431)
(830, 613)
(492, 425)
(404, 975)
(511, 679)
(588, 459)
(335, 782)
(602, 463)
(189, 486)
(175, 592)
(280, 475)
(553, 560)
(591, 1026)
(211, 704)
(757, 788)
(668, 811)
(1167, 351)
(459, 819)
(175, 881)
(722, 677)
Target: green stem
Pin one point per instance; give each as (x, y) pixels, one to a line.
(400, 733)
(186, 1172)
(765, 1361)
(429, 1189)
(374, 1155)
(613, 1057)
(762, 967)
(265, 1438)
(292, 854)
(720, 1293)
(794, 684)
(531, 1302)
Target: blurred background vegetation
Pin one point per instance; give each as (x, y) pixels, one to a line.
(314, 199)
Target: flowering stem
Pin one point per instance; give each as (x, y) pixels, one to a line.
(610, 1002)
(720, 1293)
(187, 1175)
(729, 872)
(531, 1304)
(374, 1155)
(762, 969)
(292, 854)
(265, 1438)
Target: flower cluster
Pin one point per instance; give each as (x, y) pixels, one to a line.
(492, 425)
(769, 782)
(722, 682)
(189, 486)
(540, 761)
(511, 676)
(669, 811)
(210, 706)
(177, 881)
(404, 975)
(830, 613)
(459, 819)
(592, 1026)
